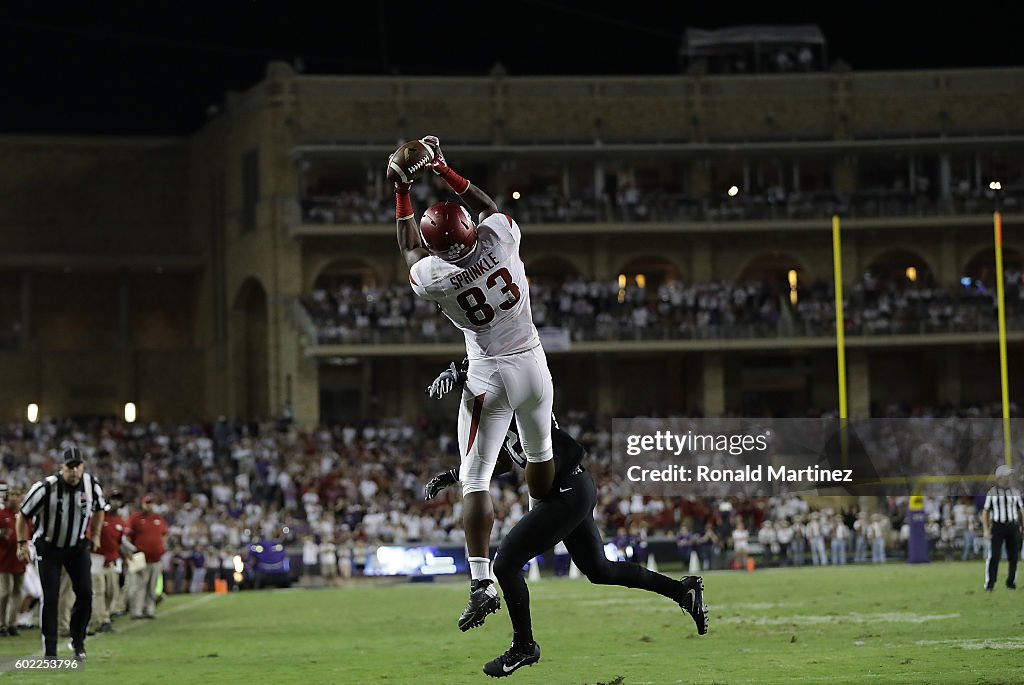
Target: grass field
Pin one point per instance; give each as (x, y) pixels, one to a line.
(852, 624)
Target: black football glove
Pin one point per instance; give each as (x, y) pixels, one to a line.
(439, 482)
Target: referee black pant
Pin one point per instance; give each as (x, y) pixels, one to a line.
(567, 515)
(76, 561)
(1010, 534)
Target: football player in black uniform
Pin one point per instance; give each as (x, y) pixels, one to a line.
(565, 513)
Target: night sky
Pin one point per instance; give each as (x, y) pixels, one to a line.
(155, 70)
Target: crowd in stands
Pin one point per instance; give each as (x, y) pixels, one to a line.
(593, 310)
(788, 532)
(339, 492)
(632, 204)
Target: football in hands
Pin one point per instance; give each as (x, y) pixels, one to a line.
(409, 161)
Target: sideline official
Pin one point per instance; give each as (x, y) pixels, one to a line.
(1002, 518)
(60, 508)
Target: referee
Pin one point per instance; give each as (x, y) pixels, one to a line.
(1002, 518)
(60, 507)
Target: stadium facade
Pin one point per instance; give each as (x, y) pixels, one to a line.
(175, 272)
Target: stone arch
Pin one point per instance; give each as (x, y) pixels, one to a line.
(250, 350)
(895, 265)
(655, 270)
(981, 266)
(773, 267)
(334, 271)
(551, 270)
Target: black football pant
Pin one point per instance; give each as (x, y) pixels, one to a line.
(1010, 534)
(76, 561)
(566, 514)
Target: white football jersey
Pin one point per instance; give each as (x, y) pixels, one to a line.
(488, 298)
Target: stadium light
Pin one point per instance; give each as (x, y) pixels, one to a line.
(912, 274)
(516, 195)
(995, 185)
(32, 412)
(733, 191)
(130, 413)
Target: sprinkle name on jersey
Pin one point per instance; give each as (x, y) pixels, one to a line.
(474, 272)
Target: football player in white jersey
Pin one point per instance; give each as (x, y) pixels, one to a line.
(473, 271)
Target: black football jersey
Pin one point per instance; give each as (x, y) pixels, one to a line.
(568, 453)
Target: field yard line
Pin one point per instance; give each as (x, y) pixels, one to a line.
(1013, 642)
(181, 607)
(855, 618)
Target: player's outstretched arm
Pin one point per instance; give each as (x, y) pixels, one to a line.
(476, 199)
(439, 483)
(480, 202)
(409, 241)
(446, 479)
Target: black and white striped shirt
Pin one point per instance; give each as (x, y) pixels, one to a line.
(1005, 504)
(60, 513)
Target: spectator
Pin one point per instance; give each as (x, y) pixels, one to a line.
(816, 537)
(740, 542)
(860, 533)
(769, 541)
(877, 532)
(148, 532)
(12, 569)
(107, 578)
(329, 561)
(784, 535)
(799, 541)
(685, 541)
(840, 540)
(198, 562)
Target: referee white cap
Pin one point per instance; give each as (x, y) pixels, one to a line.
(1004, 470)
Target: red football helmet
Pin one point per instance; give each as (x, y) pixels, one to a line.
(448, 231)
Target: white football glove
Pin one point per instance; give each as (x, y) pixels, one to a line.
(438, 163)
(444, 383)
